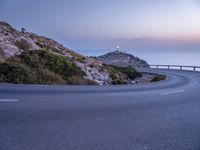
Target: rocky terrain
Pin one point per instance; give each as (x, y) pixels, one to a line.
(20, 51)
(122, 59)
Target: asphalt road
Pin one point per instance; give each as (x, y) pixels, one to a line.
(160, 116)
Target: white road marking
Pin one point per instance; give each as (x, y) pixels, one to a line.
(9, 100)
(172, 92)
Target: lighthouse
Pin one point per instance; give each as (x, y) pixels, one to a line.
(118, 50)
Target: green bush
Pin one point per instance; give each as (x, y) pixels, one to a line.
(56, 63)
(1, 51)
(89, 82)
(1, 55)
(48, 48)
(45, 67)
(127, 73)
(22, 44)
(15, 73)
(74, 80)
(42, 67)
(113, 75)
(77, 57)
(118, 82)
(45, 76)
(158, 78)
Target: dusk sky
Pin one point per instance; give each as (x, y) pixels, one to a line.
(93, 27)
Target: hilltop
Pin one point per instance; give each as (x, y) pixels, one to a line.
(29, 58)
(123, 59)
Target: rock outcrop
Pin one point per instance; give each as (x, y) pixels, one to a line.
(122, 59)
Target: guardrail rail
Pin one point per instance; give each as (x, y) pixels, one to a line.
(194, 68)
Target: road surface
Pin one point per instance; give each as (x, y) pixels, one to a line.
(160, 116)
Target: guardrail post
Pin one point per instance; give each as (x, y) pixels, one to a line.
(168, 67)
(157, 66)
(181, 67)
(194, 68)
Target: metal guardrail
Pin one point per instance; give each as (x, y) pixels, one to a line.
(194, 68)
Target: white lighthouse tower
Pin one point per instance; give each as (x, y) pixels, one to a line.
(118, 50)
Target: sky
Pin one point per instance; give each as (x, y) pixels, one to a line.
(151, 29)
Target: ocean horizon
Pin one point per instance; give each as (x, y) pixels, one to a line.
(155, 57)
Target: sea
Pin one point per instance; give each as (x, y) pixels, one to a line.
(156, 57)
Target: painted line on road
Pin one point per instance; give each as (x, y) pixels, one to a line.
(172, 92)
(9, 100)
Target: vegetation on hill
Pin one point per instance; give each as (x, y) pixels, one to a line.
(120, 75)
(41, 67)
(1, 54)
(30, 58)
(46, 67)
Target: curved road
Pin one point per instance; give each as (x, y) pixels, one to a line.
(160, 116)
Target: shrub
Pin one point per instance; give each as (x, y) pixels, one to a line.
(77, 57)
(118, 82)
(23, 44)
(56, 63)
(77, 80)
(23, 30)
(14, 60)
(74, 80)
(113, 76)
(91, 65)
(1, 51)
(45, 76)
(15, 74)
(158, 78)
(41, 67)
(1, 55)
(88, 82)
(128, 72)
(40, 45)
(48, 48)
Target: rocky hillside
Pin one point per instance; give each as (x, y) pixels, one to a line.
(122, 59)
(29, 58)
